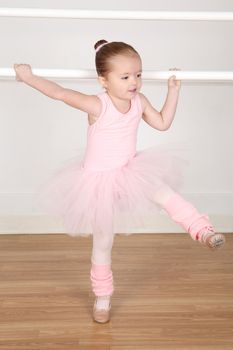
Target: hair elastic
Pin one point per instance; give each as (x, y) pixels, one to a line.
(99, 47)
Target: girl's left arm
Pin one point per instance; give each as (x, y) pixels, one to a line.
(162, 120)
(169, 109)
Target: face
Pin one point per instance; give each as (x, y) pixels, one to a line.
(124, 80)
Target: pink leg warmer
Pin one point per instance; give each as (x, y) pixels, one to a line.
(101, 279)
(184, 213)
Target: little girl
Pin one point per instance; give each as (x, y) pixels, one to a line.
(114, 187)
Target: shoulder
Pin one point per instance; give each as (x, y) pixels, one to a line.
(102, 95)
(98, 104)
(94, 104)
(102, 100)
(86, 103)
(144, 101)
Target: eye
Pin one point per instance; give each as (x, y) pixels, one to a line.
(124, 78)
(139, 75)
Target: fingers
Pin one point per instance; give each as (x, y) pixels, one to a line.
(21, 64)
(16, 66)
(173, 76)
(17, 77)
(174, 68)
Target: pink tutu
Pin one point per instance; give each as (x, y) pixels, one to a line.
(114, 200)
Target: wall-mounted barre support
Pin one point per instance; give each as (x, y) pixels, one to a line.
(116, 14)
(76, 74)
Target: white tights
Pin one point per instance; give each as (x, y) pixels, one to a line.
(102, 248)
(163, 195)
(103, 241)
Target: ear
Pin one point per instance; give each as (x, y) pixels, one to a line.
(102, 81)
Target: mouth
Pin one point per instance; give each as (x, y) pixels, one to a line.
(133, 90)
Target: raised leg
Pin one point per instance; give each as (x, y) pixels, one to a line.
(183, 212)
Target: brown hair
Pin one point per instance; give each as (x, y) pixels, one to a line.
(106, 52)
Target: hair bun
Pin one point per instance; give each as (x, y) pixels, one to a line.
(100, 43)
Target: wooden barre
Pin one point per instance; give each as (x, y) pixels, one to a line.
(117, 15)
(9, 73)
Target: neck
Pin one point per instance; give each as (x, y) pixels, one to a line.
(123, 106)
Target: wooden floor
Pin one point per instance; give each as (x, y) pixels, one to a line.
(170, 293)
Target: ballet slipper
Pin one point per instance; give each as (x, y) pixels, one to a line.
(101, 315)
(212, 239)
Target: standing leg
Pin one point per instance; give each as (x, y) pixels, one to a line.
(184, 213)
(101, 275)
(103, 236)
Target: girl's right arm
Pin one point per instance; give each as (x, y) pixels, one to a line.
(90, 104)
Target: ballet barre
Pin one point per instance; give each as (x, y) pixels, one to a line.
(9, 74)
(117, 15)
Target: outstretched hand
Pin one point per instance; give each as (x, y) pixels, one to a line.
(173, 82)
(22, 71)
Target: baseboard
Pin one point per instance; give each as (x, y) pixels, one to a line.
(42, 224)
(219, 207)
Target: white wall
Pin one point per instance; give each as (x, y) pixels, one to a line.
(38, 134)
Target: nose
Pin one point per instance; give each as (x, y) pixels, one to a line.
(133, 80)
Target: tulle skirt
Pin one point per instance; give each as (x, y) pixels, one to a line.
(115, 200)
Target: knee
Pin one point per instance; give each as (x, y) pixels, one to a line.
(163, 194)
